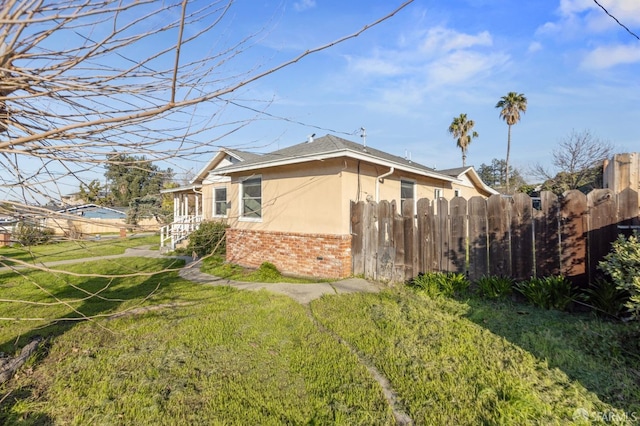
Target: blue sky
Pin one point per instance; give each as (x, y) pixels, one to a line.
(405, 79)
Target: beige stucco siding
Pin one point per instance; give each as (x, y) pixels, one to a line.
(297, 198)
(315, 197)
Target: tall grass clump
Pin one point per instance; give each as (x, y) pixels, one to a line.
(440, 284)
(552, 292)
(605, 298)
(494, 287)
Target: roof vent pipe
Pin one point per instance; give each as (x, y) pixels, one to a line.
(310, 139)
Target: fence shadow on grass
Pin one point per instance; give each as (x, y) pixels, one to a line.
(602, 359)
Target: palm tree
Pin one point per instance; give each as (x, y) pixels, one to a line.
(510, 107)
(461, 128)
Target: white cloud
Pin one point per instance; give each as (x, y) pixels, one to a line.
(446, 40)
(444, 55)
(301, 5)
(535, 47)
(462, 66)
(609, 56)
(576, 16)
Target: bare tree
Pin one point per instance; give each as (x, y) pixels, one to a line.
(577, 162)
(82, 80)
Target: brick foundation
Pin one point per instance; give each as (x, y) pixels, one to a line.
(310, 255)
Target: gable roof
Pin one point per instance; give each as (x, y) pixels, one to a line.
(235, 153)
(330, 146)
(458, 172)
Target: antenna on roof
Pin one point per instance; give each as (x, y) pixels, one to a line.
(363, 135)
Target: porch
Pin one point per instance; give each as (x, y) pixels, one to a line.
(187, 216)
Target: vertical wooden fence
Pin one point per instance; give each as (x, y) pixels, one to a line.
(505, 236)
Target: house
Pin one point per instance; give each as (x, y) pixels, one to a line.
(292, 206)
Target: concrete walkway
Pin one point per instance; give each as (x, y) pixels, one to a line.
(302, 293)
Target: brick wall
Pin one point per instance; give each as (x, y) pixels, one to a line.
(310, 255)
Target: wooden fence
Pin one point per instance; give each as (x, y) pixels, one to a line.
(514, 236)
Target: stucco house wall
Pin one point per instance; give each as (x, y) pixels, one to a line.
(306, 194)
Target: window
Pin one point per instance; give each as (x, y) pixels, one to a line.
(437, 194)
(456, 192)
(251, 200)
(407, 191)
(220, 202)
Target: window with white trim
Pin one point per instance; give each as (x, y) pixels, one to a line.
(456, 192)
(220, 202)
(407, 192)
(437, 194)
(251, 198)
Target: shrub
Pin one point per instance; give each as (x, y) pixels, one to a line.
(267, 272)
(437, 284)
(606, 298)
(28, 234)
(494, 287)
(553, 292)
(622, 264)
(208, 238)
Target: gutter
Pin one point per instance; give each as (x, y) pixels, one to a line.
(380, 179)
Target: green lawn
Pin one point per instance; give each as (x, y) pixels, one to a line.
(477, 363)
(74, 249)
(207, 355)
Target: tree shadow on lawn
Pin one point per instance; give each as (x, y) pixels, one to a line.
(602, 355)
(114, 295)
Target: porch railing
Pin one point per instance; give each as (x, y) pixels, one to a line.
(177, 231)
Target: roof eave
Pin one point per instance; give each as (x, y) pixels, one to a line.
(330, 155)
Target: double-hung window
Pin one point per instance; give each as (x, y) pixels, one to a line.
(251, 198)
(407, 191)
(220, 202)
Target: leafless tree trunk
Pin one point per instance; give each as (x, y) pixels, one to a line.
(80, 80)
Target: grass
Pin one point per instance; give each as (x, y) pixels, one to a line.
(216, 355)
(230, 357)
(73, 249)
(457, 363)
(266, 273)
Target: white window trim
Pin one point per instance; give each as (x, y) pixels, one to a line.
(241, 217)
(214, 202)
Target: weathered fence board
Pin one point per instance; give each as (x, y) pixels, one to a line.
(357, 241)
(522, 237)
(498, 210)
(547, 235)
(573, 235)
(478, 238)
(602, 226)
(458, 235)
(386, 245)
(442, 235)
(503, 236)
(408, 228)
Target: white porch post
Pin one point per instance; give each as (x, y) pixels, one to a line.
(197, 204)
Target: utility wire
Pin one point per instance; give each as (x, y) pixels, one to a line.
(616, 19)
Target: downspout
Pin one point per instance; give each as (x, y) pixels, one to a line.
(380, 179)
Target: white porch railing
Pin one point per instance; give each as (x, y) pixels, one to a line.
(178, 230)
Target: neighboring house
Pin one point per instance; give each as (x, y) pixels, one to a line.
(292, 207)
(622, 172)
(85, 219)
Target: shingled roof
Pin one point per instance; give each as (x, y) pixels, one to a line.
(330, 146)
